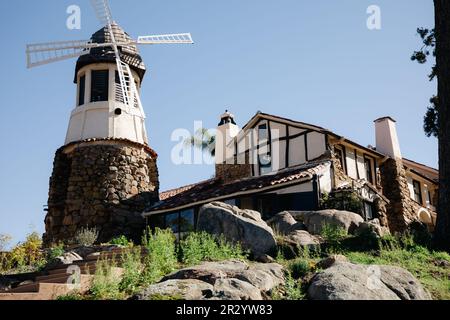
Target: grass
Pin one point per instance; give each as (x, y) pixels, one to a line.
(201, 246)
(421, 262)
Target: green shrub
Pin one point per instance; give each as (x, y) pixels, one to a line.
(86, 236)
(26, 256)
(106, 282)
(201, 246)
(291, 290)
(299, 268)
(343, 200)
(161, 258)
(133, 267)
(55, 252)
(333, 236)
(71, 297)
(121, 241)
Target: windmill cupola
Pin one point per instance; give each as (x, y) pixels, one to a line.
(104, 108)
(128, 53)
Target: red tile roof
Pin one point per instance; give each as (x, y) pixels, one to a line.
(215, 189)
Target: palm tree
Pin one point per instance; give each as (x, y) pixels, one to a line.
(204, 140)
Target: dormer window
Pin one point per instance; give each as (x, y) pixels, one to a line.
(81, 90)
(99, 85)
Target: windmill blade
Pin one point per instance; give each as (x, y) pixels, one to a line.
(44, 53)
(181, 38)
(103, 11)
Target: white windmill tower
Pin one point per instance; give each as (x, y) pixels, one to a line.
(106, 173)
(108, 102)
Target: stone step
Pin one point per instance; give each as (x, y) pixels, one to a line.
(32, 287)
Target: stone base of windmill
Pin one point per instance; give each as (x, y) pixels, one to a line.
(104, 184)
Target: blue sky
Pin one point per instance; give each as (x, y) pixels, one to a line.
(313, 61)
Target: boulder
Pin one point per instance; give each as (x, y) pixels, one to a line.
(238, 226)
(314, 220)
(304, 239)
(372, 227)
(184, 289)
(331, 260)
(347, 281)
(235, 289)
(262, 276)
(210, 272)
(67, 258)
(282, 223)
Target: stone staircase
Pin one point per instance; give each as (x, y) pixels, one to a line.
(58, 281)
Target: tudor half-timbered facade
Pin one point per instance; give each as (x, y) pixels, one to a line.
(275, 164)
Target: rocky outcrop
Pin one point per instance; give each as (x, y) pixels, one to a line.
(178, 289)
(284, 223)
(314, 220)
(373, 228)
(347, 281)
(225, 280)
(238, 226)
(103, 184)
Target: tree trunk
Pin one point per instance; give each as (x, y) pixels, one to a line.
(442, 29)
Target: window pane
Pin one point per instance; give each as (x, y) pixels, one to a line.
(368, 166)
(417, 191)
(82, 87)
(187, 220)
(99, 85)
(172, 222)
(262, 133)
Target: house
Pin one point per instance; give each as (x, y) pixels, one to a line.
(275, 164)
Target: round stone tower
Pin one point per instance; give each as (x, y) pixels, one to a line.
(106, 173)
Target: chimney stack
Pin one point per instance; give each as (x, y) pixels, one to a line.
(386, 137)
(227, 130)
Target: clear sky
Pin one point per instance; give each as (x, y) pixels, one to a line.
(313, 61)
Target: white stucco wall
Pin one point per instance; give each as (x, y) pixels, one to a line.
(98, 119)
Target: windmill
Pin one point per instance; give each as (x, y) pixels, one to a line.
(106, 172)
(45, 53)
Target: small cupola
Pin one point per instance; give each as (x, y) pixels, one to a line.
(227, 130)
(227, 117)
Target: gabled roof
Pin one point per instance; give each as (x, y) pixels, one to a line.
(215, 189)
(422, 170)
(260, 115)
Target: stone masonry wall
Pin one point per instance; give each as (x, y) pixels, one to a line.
(234, 171)
(105, 185)
(402, 210)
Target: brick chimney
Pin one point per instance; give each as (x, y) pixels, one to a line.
(227, 167)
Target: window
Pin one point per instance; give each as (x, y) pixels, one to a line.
(368, 211)
(429, 198)
(368, 168)
(187, 220)
(263, 133)
(264, 152)
(99, 85)
(172, 222)
(417, 191)
(81, 90)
